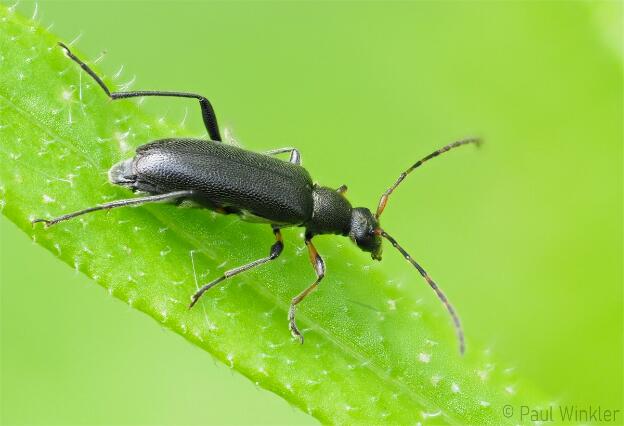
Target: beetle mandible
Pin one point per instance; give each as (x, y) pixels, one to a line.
(256, 186)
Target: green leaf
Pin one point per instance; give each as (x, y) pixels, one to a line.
(378, 349)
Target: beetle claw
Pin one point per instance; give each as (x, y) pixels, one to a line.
(294, 331)
(194, 298)
(292, 326)
(46, 223)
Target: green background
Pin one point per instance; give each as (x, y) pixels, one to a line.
(525, 235)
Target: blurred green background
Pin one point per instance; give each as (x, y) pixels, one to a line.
(525, 235)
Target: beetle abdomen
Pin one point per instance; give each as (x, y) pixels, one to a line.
(228, 177)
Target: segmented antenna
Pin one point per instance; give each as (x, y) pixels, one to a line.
(384, 197)
(434, 286)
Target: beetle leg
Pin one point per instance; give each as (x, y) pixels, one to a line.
(295, 157)
(319, 268)
(115, 204)
(276, 250)
(342, 189)
(208, 114)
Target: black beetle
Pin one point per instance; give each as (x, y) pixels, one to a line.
(256, 186)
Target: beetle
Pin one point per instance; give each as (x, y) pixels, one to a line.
(258, 187)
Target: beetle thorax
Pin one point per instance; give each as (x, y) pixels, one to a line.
(331, 212)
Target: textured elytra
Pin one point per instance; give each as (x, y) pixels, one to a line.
(375, 351)
(263, 185)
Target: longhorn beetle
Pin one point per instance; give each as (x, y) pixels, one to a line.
(256, 186)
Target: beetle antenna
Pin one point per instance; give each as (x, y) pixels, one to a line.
(434, 286)
(384, 197)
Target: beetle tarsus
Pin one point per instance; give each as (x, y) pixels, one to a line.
(292, 326)
(194, 300)
(199, 293)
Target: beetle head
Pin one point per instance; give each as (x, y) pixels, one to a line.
(365, 232)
